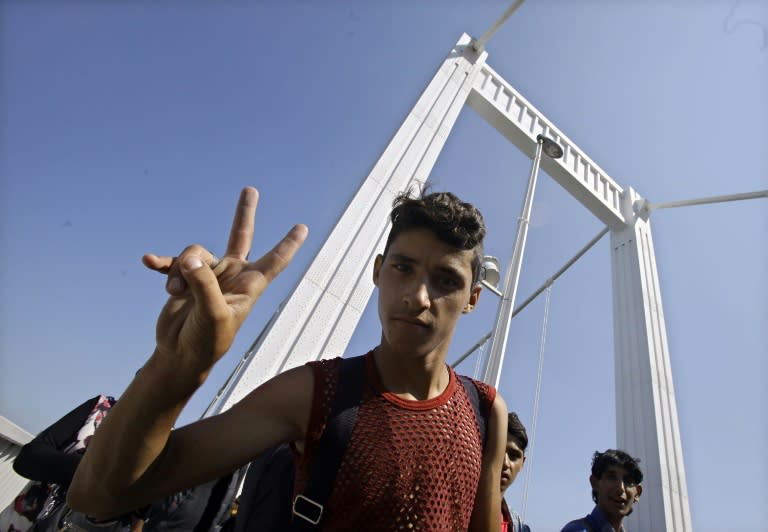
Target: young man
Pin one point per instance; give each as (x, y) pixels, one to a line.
(414, 417)
(514, 459)
(616, 487)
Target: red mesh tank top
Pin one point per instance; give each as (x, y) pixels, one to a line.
(409, 465)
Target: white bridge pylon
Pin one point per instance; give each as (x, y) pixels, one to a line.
(320, 316)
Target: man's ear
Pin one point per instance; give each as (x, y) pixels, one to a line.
(474, 296)
(377, 268)
(639, 489)
(593, 482)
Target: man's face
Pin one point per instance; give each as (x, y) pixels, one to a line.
(514, 459)
(424, 286)
(616, 492)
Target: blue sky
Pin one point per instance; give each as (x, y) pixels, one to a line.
(128, 128)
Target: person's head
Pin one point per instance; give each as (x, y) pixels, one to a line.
(616, 483)
(514, 458)
(454, 222)
(429, 272)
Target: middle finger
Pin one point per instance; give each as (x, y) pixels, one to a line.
(241, 234)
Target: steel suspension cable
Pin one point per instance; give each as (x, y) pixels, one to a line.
(536, 293)
(480, 358)
(536, 401)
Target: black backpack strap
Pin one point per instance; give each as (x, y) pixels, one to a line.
(308, 506)
(474, 398)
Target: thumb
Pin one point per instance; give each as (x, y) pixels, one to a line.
(209, 300)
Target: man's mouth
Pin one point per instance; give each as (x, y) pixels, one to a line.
(412, 321)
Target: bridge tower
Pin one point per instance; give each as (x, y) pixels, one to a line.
(318, 318)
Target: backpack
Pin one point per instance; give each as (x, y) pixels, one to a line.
(219, 504)
(265, 501)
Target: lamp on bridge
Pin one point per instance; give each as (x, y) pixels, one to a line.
(506, 305)
(550, 147)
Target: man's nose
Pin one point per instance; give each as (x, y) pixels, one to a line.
(417, 296)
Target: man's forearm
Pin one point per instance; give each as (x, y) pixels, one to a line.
(133, 456)
(130, 442)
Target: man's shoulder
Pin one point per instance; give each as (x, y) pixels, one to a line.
(517, 522)
(325, 364)
(577, 525)
(329, 376)
(333, 364)
(487, 393)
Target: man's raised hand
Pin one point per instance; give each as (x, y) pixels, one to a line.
(211, 298)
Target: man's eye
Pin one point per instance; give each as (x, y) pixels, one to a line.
(401, 267)
(449, 282)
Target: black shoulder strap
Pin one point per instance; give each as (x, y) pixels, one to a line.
(308, 506)
(474, 398)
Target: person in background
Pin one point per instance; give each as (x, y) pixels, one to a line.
(514, 459)
(616, 487)
(51, 459)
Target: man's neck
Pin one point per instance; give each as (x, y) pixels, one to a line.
(411, 378)
(616, 524)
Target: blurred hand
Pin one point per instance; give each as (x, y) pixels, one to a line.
(211, 298)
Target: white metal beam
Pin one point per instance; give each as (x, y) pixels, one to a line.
(318, 319)
(519, 121)
(646, 409)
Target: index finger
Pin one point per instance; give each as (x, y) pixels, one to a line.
(241, 234)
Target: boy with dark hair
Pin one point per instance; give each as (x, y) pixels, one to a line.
(616, 486)
(514, 459)
(414, 415)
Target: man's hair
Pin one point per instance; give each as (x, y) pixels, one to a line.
(615, 457)
(516, 431)
(453, 221)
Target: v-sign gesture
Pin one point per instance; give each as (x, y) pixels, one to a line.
(135, 458)
(210, 298)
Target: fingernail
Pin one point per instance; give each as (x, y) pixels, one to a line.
(193, 263)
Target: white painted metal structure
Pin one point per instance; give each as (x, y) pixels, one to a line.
(318, 319)
(12, 439)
